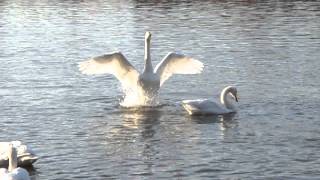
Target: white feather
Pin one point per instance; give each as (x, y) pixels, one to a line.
(175, 63)
(115, 64)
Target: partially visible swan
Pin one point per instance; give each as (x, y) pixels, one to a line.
(205, 106)
(25, 154)
(14, 172)
(144, 86)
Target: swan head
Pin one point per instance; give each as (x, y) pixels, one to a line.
(234, 93)
(231, 91)
(147, 36)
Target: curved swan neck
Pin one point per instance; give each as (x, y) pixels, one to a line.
(147, 57)
(12, 154)
(224, 98)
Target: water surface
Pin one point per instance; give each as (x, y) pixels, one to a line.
(269, 50)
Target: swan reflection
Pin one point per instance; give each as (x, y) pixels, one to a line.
(226, 122)
(136, 139)
(144, 117)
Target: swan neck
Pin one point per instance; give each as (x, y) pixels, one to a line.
(147, 57)
(13, 164)
(224, 98)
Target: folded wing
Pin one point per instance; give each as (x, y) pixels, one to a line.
(175, 63)
(115, 64)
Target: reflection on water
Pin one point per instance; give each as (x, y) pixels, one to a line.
(137, 125)
(140, 116)
(268, 49)
(226, 122)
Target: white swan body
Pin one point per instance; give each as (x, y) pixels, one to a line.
(16, 174)
(205, 106)
(142, 87)
(13, 172)
(25, 154)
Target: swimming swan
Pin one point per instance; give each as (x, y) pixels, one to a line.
(25, 155)
(205, 106)
(147, 84)
(13, 172)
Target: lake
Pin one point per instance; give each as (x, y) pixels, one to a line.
(269, 50)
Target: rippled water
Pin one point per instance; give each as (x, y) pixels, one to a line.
(269, 50)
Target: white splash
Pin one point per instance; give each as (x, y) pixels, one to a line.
(138, 98)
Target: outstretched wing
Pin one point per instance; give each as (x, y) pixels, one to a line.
(175, 63)
(115, 64)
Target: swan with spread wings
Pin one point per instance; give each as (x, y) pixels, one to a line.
(143, 86)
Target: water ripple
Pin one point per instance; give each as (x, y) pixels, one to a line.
(75, 123)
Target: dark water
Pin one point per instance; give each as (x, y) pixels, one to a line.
(269, 50)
